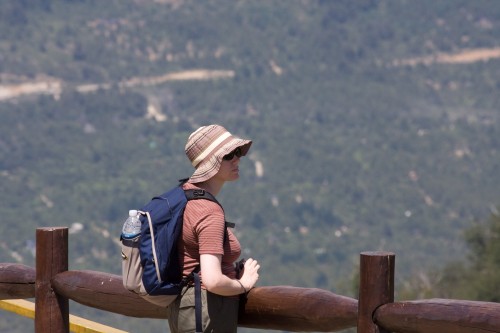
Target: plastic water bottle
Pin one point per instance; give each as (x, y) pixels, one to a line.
(132, 226)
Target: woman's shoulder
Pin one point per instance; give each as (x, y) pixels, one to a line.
(201, 203)
(205, 205)
(202, 206)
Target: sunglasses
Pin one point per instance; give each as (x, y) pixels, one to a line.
(237, 152)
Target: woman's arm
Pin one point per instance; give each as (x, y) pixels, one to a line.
(220, 284)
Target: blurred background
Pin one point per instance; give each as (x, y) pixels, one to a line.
(376, 126)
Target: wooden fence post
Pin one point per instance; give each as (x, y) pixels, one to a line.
(376, 287)
(51, 310)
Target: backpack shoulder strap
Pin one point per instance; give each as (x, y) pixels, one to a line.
(202, 194)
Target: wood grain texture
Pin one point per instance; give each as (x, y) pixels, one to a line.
(439, 316)
(376, 287)
(16, 281)
(52, 310)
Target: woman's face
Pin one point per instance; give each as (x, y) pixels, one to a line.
(229, 168)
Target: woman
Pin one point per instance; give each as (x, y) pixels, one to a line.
(206, 242)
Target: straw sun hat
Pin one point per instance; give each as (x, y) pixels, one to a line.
(205, 148)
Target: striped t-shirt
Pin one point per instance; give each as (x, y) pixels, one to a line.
(203, 233)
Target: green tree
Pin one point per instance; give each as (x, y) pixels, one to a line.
(479, 278)
(485, 270)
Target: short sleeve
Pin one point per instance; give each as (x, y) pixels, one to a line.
(210, 226)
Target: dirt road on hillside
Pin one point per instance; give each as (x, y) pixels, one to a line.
(55, 86)
(462, 57)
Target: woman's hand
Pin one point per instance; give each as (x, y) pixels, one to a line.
(250, 274)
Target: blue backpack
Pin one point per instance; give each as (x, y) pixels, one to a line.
(150, 261)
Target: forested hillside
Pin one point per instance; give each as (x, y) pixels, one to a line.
(376, 126)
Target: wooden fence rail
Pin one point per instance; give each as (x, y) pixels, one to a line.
(438, 316)
(282, 308)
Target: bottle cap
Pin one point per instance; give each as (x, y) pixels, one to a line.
(132, 212)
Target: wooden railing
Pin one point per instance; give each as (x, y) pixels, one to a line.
(282, 308)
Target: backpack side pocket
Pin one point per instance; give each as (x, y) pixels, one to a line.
(131, 266)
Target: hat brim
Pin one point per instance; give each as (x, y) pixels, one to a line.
(210, 166)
